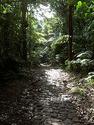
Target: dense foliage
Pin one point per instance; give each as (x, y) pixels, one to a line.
(25, 39)
(35, 37)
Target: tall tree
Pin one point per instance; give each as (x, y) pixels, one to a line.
(70, 21)
(23, 28)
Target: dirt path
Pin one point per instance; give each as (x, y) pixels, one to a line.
(43, 100)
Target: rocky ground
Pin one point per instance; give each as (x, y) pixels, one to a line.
(44, 99)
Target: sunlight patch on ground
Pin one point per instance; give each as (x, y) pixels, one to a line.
(61, 98)
(53, 121)
(53, 76)
(56, 76)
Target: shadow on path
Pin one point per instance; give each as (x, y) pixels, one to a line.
(44, 101)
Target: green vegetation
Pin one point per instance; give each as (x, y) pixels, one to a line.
(83, 63)
(77, 91)
(35, 32)
(36, 37)
(89, 81)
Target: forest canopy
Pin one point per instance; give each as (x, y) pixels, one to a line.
(32, 32)
(46, 62)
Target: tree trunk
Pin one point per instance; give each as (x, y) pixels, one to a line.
(23, 29)
(70, 31)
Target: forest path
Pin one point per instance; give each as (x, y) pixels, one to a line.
(43, 100)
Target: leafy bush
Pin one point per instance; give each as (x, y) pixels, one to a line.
(60, 40)
(85, 55)
(82, 64)
(73, 65)
(90, 79)
(35, 59)
(85, 65)
(77, 91)
(60, 47)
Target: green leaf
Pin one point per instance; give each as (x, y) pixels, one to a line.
(79, 5)
(70, 2)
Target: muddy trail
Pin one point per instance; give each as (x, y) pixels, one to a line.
(44, 99)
